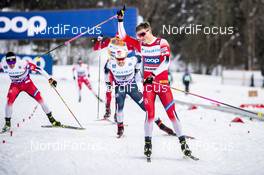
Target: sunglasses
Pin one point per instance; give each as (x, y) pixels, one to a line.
(142, 34)
(120, 59)
(11, 61)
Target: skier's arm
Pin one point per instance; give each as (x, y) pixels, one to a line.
(74, 72)
(107, 73)
(34, 67)
(122, 34)
(138, 76)
(165, 52)
(3, 68)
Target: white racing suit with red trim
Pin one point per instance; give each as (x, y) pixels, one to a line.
(82, 71)
(21, 82)
(156, 62)
(125, 79)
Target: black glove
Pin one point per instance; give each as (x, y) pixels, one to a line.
(52, 82)
(108, 86)
(88, 75)
(74, 77)
(149, 80)
(120, 14)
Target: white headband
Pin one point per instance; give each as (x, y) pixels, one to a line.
(11, 57)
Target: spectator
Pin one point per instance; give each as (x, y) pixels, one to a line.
(186, 79)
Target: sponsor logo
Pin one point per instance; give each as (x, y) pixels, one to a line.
(150, 50)
(123, 72)
(20, 24)
(152, 60)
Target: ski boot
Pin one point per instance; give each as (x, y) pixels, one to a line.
(148, 148)
(184, 147)
(165, 128)
(7, 126)
(107, 113)
(52, 120)
(120, 130)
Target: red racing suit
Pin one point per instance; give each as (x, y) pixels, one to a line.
(155, 62)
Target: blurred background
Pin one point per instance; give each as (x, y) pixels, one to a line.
(205, 54)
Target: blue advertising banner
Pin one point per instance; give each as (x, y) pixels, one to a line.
(63, 24)
(45, 62)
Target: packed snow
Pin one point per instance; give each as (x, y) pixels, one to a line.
(223, 147)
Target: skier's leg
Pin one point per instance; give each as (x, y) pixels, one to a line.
(149, 96)
(79, 81)
(13, 92)
(168, 102)
(88, 84)
(149, 102)
(187, 86)
(108, 96)
(120, 96)
(137, 96)
(31, 90)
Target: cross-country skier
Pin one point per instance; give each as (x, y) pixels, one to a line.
(81, 71)
(186, 80)
(18, 71)
(124, 70)
(156, 55)
(101, 43)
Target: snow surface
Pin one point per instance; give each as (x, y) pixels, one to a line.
(223, 147)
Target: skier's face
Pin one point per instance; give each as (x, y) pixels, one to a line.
(80, 62)
(11, 66)
(143, 34)
(11, 62)
(120, 61)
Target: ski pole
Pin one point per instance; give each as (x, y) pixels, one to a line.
(99, 79)
(78, 36)
(67, 106)
(259, 114)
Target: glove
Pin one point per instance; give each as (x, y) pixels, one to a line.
(74, 77)
(108, 86)
(52, 82)
(120, 14)
(88, 75)
(149, 80)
